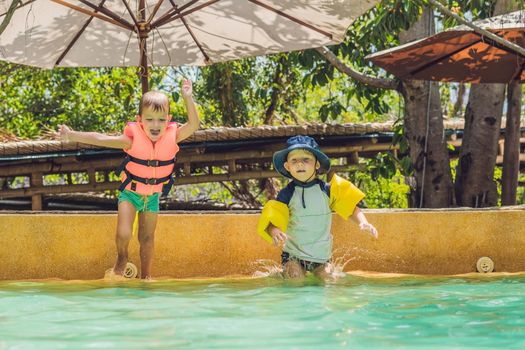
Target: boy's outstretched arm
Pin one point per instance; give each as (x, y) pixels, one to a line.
(94, 138)
(278, 236)
(359, 217)
(188, 128)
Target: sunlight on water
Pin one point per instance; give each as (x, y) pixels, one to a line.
(357, 312)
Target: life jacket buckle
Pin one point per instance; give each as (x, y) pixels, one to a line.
(153, 162)
(151, 181)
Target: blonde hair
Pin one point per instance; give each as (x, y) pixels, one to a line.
(156, 100)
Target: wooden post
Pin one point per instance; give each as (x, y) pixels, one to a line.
(36, 202)
(36, 199)
(232, 167)
(92, 175)
(353, 158)
(187, 169)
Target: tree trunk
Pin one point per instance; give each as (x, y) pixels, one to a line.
(424, 131)
(277, 85)
(511, 153)
(475, 186)
(226, 95)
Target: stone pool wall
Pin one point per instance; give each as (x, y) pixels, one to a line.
(81, 245)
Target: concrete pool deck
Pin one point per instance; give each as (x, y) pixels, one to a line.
(81, 245)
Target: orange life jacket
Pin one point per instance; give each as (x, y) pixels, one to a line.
(148, 167)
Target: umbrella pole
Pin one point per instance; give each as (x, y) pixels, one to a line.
(143, 70)
(143, 29)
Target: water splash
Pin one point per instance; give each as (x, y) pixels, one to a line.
(267, 268)
(344, 256)
(341, 258)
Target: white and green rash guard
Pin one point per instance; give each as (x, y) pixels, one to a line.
(309, 227)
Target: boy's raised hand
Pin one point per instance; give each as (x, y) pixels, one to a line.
(366, 226)
(278, 236)
(187, 88)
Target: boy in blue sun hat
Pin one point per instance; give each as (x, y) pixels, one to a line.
(301, 217)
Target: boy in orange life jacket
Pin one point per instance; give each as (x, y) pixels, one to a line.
(151, 145)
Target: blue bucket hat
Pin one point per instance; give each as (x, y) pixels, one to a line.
(300, 142)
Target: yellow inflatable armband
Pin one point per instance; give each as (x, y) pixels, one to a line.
(344, 196)
(275, 213)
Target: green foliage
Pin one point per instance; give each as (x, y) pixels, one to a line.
(520, 195)
(498, 172)
(383, 182)
(453, 167)
(383, 192)
(223, 90)
(383, 165)
(376, 30)
(211, 191)
(472, 9)
(277, 91)
(86, 99)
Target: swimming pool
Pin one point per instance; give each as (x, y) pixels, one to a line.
(357, 312)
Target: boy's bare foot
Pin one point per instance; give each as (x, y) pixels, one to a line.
(110, 275)
(120, 266)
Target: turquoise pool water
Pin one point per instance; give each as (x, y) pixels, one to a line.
(266, 313)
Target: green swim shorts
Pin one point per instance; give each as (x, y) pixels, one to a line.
(143, 203)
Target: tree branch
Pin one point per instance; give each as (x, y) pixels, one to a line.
(276, 91)
(9, 14)
(381, 83)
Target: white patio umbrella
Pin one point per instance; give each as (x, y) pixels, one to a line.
(117, 33)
